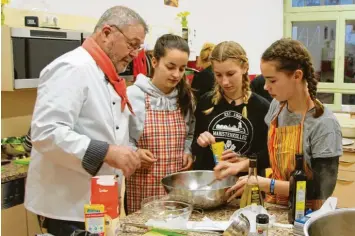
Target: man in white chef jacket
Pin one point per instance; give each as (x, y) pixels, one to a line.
(79, 128)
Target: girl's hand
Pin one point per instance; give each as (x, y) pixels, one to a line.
(239, 187)
(231, 156)
(147, 158)
(187, 162)
(225, 168)
(205, 139)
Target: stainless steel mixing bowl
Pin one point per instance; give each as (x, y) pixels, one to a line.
(339, 222)
(190, 187)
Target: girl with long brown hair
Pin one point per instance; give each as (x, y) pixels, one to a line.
(161, 131)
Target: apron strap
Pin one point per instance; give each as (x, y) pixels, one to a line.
(147, 102)
(277, 115)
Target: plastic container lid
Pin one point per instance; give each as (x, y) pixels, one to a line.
(262, 219)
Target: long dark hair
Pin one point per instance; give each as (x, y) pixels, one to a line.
(292, 55)
(170, 41)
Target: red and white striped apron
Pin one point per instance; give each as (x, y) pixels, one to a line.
(164, 135)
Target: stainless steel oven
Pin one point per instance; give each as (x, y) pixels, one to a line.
(34, 48)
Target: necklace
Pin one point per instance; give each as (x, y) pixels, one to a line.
(233, 100)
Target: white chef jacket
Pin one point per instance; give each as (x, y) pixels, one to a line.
(75, 104)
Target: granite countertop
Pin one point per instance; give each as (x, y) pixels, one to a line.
(13, 171)
(222, 214)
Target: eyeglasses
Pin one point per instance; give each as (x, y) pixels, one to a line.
(131, 46)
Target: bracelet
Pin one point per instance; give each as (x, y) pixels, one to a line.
(272, 186)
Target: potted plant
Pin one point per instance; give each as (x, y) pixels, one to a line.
(183, 18)
(3, 3)
(184, 23)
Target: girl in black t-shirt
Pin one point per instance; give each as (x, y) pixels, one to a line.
(230, 113)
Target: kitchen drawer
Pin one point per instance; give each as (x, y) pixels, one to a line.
(13, 221)
(32, 224)
(12, 193)
(344, 189)
(347, 162)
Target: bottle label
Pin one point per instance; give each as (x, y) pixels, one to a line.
(261, 231)
(300, 199)
(255, 197)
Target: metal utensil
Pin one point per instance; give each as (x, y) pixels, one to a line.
(207, 186)
(337, 222)
(186, 187)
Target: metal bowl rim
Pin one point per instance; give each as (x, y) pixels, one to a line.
(195, 190)
(335, 212)
(187, 205)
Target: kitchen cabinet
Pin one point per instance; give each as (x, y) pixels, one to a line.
(347, 162)
(32, 224)
(18, 221)
(7, 72)
(346, 181)
(13, 221)
(344, 189)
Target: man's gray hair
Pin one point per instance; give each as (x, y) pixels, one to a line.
(120, 16)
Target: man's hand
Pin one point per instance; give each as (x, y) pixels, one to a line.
(146, 157)
(124, 158)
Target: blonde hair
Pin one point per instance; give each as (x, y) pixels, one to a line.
(204, 58)
(222, 52)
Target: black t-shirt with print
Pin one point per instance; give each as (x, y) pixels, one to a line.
(226, 123)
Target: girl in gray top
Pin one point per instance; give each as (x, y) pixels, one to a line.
(298, 124)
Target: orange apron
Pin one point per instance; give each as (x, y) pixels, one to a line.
(283, 144)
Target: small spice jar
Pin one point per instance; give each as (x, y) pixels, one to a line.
(262, 224)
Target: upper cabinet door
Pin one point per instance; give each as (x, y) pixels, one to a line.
(7, 71)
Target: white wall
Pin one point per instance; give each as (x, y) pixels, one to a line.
(154, 11)
(255, 24)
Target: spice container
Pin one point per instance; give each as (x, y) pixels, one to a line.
(262, 224)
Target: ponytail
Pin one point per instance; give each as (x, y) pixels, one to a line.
(185, 96)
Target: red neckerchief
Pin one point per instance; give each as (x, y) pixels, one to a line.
(106, 65)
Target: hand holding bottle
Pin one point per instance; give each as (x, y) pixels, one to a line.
(205, 139)
(241, 183)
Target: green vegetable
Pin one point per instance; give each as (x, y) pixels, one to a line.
(13, 140)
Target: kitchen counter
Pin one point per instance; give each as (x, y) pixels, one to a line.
(221, 214)
(13, 171)
(350, 148)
